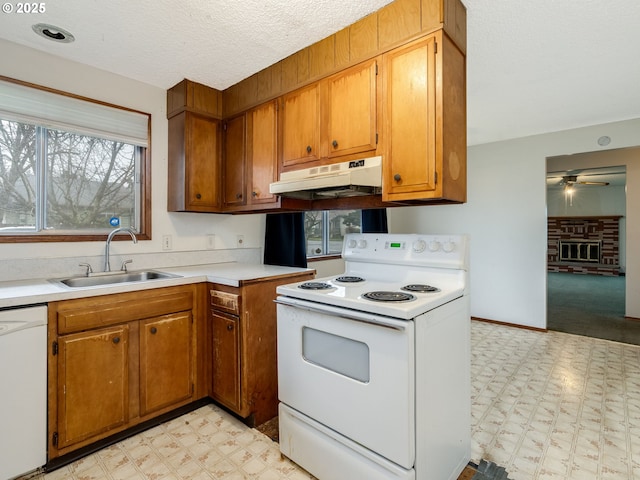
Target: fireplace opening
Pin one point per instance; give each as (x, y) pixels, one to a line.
(580, 250)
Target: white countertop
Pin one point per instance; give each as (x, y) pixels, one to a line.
(30, 292)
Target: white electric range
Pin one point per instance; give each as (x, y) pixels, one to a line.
(373, 364)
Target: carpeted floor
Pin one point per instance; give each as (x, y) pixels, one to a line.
(590, 305)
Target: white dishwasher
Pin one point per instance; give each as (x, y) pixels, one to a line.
(23, 382)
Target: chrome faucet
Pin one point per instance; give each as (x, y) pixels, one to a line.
(107, 266)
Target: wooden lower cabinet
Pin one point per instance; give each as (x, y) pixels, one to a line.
(166, 365)
(93, 372)
(225, 380)
(118, 360)
(244, 346)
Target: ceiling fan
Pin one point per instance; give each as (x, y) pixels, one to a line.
(570, 180)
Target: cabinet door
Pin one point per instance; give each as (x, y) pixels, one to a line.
(226, 359)
(300, 126)
(352, 110)
(234, 161)
(262, 152)
(202, 163)
(93, 383)
(410, 122)
(165, 361)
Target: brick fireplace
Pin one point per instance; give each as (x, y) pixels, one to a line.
(584, 245)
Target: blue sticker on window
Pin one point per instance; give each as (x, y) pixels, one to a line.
(114, 221)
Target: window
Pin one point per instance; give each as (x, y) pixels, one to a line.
(70, 167)
(325, 230)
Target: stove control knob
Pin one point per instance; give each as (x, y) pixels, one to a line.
(434, 246)
(362, 244)
(419, 246)
(448, 246)
(352, 243)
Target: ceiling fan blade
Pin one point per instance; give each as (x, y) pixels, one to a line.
(594, 183)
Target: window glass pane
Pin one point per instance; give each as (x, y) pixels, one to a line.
(17, 177)
(325, 230)
(314, 232)
(341, 222)
(89, 181)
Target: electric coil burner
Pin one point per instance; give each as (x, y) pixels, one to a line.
(389, 296)
(417, 287)
(349, 279)
(314, 286)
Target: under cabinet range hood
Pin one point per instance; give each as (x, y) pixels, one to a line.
(346, 179)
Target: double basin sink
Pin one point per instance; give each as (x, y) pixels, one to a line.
(105, 279)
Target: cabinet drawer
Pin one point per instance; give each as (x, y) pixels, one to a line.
(94, 312)
(227, 302)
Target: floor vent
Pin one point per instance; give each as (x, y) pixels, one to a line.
(490, 471)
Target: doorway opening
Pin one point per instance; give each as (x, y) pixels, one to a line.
(586, 247)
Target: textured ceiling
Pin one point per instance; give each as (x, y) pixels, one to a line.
(532, 66)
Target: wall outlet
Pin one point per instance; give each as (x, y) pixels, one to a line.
(239, 241)
(167, 242)
(211, 241)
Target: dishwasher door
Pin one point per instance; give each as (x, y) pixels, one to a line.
(23, 382)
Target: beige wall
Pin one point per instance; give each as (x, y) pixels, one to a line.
(505, 217)
(188, 231)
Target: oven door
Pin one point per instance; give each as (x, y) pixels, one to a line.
(352, 372)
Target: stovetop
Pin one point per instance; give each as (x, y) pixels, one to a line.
(400, 276)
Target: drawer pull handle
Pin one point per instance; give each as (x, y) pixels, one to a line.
(154, 330)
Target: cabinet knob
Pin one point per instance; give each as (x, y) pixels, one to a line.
(335, 144)
(254, 194)
(154, 330)
(230, 327)
(308, 148)
(318, 250)
(198, 196)
(238, 196)
(397, 177)
(116, 340)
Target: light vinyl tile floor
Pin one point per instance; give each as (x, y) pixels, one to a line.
(546, 406)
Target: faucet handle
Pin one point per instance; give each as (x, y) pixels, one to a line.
(88, 267)
(124, 265)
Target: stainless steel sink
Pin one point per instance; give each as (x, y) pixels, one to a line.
(113, 278)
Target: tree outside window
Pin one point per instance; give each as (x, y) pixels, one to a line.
(56, 181)
(325, 230)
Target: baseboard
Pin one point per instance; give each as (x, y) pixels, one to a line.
(507, 324)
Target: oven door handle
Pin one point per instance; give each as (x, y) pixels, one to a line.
(371, 320)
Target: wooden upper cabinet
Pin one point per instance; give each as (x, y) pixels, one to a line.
(424, 122)
(300, 126)
(352, 110)
(194, 171)
(262, 154)
(233, 160)
(334, 117)
(166, 361)
(410, 115)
